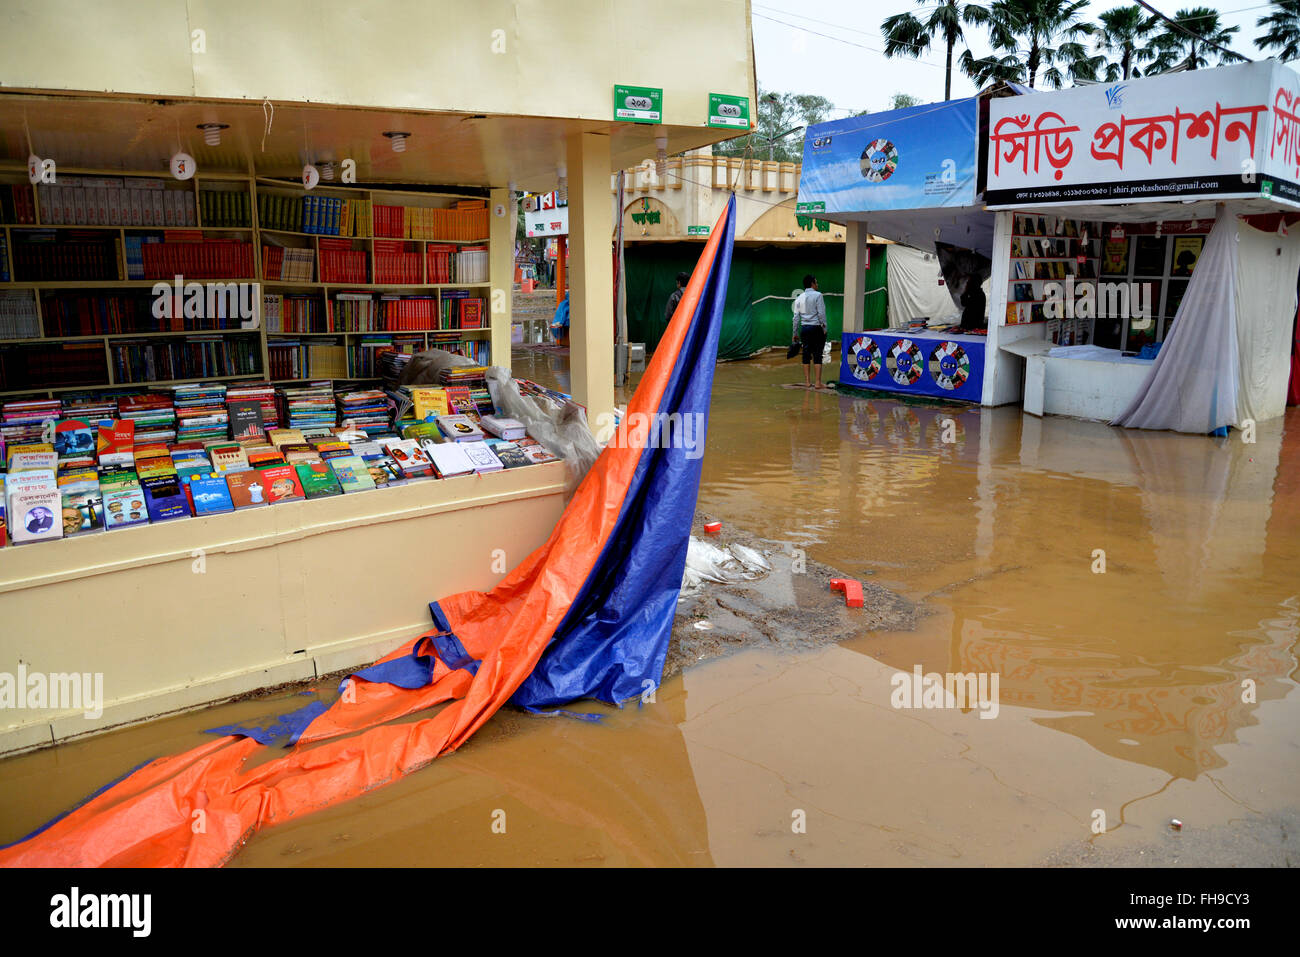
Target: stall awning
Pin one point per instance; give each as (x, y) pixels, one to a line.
(910, 174)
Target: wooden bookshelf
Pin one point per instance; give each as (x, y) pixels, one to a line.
(233, 200)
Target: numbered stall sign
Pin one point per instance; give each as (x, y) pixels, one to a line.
(640, 104)
(729, 112)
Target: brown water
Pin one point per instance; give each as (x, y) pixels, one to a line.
(1120, 692)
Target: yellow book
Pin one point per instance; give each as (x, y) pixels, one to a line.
(432, 401)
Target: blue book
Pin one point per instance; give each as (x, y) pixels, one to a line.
(165, 498)
(211, 496)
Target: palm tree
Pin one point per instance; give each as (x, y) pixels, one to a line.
(1195, 44)
(1124, 39)
(906, 35)
(1032, 40)
(1283, 34)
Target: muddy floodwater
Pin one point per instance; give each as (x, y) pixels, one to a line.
(1136, 595)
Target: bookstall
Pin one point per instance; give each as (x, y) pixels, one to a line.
(218, 252)
(1099, 218)
(909, 176)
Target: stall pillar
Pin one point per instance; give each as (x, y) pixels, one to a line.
(855, 275)
(502, 239)
(591, 285)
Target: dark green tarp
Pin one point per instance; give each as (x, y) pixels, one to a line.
(759, 294)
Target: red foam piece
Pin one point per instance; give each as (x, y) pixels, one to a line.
(852, 591)
(713, 527)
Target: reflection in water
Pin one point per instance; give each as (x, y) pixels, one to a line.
(1120, 690)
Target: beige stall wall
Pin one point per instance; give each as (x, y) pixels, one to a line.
(556, 58)
(184, 613)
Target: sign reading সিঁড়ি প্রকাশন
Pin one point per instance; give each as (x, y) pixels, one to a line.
(1201, 134)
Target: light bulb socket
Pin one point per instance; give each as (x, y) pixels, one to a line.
(212, 132)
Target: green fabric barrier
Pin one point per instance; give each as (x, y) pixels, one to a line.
(748, 324)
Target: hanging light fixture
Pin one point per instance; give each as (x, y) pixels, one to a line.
(661, 155)
(212, 132)
(562, 192)
(397, 139)
(326, 170)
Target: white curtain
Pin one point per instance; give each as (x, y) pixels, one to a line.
(1192, 386)
(915, 290)
(1267, 265)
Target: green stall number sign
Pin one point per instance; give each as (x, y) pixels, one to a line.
(729, 112)
(697, 230)
(640, 104)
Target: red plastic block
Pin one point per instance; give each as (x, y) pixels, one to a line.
(713, 527)
(852, 591)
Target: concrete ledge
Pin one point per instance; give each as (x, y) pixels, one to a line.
(184, 614)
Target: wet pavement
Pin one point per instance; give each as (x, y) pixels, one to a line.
(1120, 696)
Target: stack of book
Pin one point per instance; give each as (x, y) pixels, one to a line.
(23, 422)
(391, 365)
(153, 414)
(90, 408)
(308, 405)
(366, 410)
(286, 264)
(339, 262)
(200, 412)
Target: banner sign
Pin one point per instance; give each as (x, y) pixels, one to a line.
(920, 157)
(549, 218)
(1230, 132)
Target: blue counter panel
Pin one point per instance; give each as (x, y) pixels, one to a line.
(946, 368)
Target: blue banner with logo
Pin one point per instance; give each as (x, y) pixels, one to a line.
(918, 158)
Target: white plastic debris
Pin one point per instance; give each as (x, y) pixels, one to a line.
(708, 562)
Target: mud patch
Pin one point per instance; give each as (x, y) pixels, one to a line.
(787, 610)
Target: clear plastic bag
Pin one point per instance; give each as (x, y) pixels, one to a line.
(561, 427)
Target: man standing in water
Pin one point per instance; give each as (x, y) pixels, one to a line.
(810, 329)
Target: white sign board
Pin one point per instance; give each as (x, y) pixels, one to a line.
(1230, 132)
(548, 219)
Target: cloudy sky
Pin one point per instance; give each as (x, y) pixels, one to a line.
(832, 48)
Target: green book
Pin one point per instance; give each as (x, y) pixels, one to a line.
(352, 473)
(317, 479)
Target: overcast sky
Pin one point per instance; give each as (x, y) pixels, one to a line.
(832, 48)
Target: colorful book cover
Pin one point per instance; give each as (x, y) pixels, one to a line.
(352, 473)
(384, 471)
(117, 443)
(430, 403)
(282, 484)
(510, 454)
(460, 428)
(156, 467)
(410, 458)
(229, 458)
(165, 498)
(247, 489)
(211, 495)
(538, 454)
(317, 479)
(74, 439)
(245, 419)
(33, 461)
(423, 430)
(124, 507)
(83, 506)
